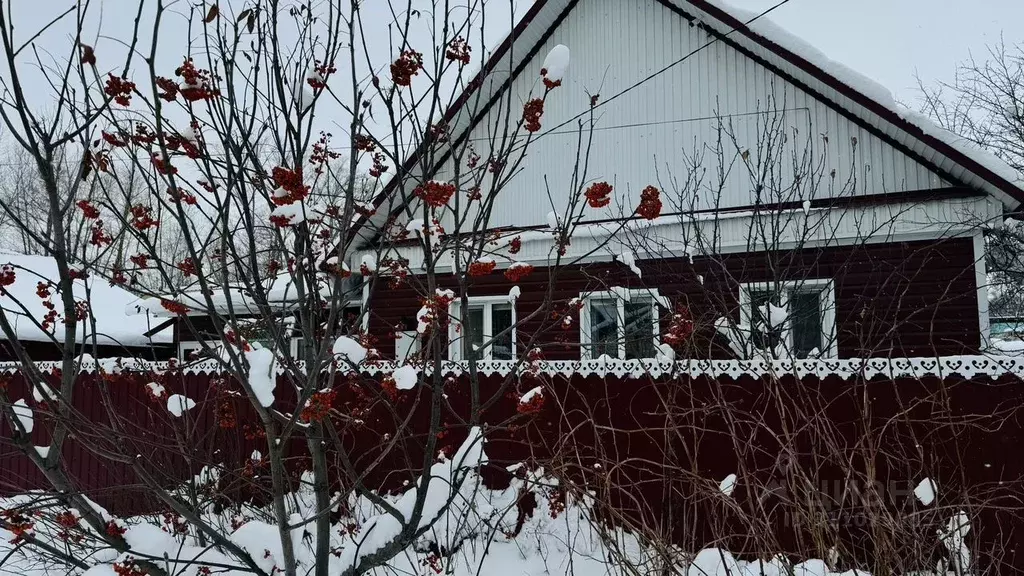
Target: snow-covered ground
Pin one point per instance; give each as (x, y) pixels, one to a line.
(470, 531)
(562, 542)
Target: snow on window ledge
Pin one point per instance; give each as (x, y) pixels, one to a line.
(945, 366)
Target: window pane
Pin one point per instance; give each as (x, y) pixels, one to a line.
(350, 318)
(639, 323)
(760, 335)
(805, 318)
(501, 319)
(187, 349)
(472, 332)
(604, 329)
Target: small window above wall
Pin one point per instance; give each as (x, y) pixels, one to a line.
(298, 346)
(189, 350)
(488, 317)
(790, 319)
(620, 323)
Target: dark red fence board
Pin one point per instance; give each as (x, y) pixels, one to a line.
(661, 446)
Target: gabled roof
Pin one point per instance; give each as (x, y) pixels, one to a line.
(850, 93)
(871, 103)
(24, 308)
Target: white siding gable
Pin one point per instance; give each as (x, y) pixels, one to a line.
(643, 136)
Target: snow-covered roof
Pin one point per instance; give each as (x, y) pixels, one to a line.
(24, 308)
(868, 102)
(281, 294)
(224, 300)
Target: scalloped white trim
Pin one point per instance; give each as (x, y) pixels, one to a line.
(965, 366)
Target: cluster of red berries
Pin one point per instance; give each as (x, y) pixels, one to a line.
(120, 89)
(435, 194)
(174, 307)
(88, 210)
(291, 182)
(407, 65)
(319, 406)
(481, 267)
(142, 218)
(7, 275)
(598, 194)
(532, 111)
(650, 203)
(458, 50)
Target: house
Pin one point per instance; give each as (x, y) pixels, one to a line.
(199, 323)
(878, 251)
(30, 284)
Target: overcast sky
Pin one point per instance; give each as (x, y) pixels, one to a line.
(890, 40)
(886, 40)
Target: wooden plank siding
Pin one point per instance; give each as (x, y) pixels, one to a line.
(892, 299)
(643, 135)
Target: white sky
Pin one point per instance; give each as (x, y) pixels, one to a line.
(886, 40)
(890, 40)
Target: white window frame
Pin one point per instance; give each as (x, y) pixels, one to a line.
(293, 340)
(363, 304)
(620, 296)
(186, 347)
(981, 282)
(293, 347)
(407, 344)
(824, 286)
(454, 326)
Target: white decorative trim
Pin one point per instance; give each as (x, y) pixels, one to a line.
(825, 286)
(965, 366)
(981, 281)
(946, 366)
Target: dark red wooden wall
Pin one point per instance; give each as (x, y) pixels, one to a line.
(892, 299)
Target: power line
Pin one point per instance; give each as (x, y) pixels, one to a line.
(657, 73)
(555, 130)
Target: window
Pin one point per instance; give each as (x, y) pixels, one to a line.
(350, 318)
(407, 345)
(791, 319)
(620, 324)
(298, 346)
(487, 317)
(259, 331)
(186, 349)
